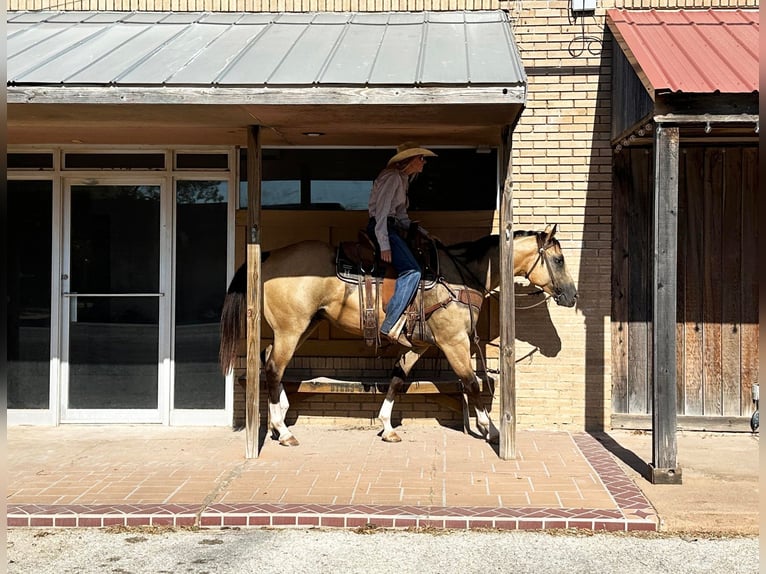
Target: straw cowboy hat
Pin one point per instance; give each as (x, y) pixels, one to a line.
(409, 149)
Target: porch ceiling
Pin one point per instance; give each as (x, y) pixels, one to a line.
(197, 124)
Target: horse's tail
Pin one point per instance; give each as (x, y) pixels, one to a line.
(233, 319)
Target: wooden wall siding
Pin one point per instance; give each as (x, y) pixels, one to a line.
(717, 307)
(345, 5)
(631, 102)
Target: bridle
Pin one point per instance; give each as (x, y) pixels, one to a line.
(542, 248)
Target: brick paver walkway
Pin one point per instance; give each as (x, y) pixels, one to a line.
(338, 477)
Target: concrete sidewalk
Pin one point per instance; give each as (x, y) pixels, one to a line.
(720, 493)
(347, 477)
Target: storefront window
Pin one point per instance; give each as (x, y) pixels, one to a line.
(200, 289)
(29, 294)
(458, 179)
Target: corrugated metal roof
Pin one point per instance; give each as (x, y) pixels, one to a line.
(258, 49)
(692, 51)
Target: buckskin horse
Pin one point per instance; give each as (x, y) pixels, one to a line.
(301, 289)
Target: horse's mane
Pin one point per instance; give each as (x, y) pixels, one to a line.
(475, 250)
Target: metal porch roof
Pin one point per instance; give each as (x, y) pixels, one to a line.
(691, 51)
(166, 49)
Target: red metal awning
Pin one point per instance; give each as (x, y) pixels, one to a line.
(690, 51)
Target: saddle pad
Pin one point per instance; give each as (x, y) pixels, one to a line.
(348, 266)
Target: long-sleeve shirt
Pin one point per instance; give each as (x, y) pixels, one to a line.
(388, 198)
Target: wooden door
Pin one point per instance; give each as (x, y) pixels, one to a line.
(717, 305)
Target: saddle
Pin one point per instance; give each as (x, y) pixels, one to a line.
(358, 262)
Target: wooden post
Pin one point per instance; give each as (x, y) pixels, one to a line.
(252, 389)
(664, 469)
(507, 311)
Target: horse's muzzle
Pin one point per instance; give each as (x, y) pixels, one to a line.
(565, 299)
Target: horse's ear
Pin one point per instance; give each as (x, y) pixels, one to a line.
(550, 232)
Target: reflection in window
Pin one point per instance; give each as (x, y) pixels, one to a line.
(28, 276)
(348, 195)
(201, 285)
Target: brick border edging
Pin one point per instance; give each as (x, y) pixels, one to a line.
(322, 516)
(627, 495)
(634, 512)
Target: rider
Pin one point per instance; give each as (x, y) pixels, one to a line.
(388, 212)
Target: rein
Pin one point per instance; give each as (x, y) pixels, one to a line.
(542, 247)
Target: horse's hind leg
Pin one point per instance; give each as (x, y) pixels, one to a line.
(284, 403)
(458, 353)
(281, 352)
(401, 370)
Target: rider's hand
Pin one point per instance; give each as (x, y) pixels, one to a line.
(386, 255)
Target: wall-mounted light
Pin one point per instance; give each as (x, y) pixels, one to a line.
(313, 134)
(579, 6)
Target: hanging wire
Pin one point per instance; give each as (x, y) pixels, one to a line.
(583, 42)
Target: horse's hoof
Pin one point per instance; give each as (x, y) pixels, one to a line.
(290, 441)
(494, 439)
(392, 437)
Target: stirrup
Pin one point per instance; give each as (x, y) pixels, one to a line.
(397, 333)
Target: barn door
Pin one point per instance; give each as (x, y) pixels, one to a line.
(115, 305)
(717, 304)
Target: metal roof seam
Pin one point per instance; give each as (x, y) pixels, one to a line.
(421, 51)
(377, 52)
(289, 50)
(238, 56)
(58, 53)
(103, 55)
(328, 60)
(148, 55)
(467, 51)
(224, 29)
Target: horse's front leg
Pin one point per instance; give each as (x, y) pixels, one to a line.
(401, 370)
(485, 425)
(458, 353)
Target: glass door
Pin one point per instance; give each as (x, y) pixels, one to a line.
(115, 310)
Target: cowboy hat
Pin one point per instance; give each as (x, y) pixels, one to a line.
(409, 149)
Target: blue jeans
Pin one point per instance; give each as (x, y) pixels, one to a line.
(407, 280)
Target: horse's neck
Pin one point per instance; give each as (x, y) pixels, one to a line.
(477, 274)
(484, 274)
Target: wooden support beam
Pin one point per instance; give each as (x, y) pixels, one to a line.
(664, 468)
(254, 295)
(507, 383)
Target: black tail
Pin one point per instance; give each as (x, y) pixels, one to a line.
(233, 319)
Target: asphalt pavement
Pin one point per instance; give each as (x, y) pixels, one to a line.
(313, 551)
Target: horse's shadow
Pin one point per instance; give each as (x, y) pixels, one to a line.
(533, 324)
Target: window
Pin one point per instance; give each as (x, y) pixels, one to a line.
(30, 161)
(458, 179)
(200, 289)
(114, 161)
(202, 161)
(28, 272)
